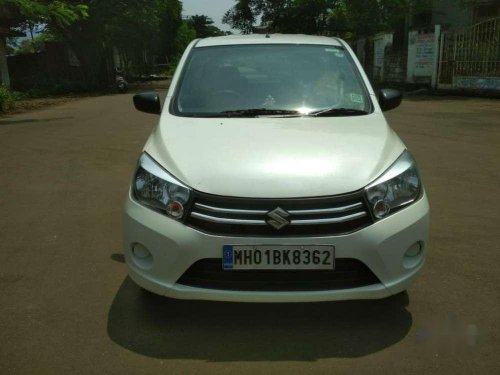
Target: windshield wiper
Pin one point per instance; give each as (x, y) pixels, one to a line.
(338, 112)
(253, 112)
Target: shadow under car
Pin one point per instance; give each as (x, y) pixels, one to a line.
(161, 327)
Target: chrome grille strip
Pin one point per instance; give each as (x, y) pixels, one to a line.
(331, 220)
(326, 210)
(230, 210)
(224, 220)
(310, 216)
(331, 210)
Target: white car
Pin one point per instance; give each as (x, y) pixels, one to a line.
(273, 176)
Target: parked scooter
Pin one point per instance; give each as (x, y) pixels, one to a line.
(121, 83)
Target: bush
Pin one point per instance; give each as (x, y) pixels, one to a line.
(6, 99)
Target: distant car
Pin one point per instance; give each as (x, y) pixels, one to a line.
(273, 176)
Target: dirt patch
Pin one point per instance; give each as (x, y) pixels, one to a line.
(22, 106)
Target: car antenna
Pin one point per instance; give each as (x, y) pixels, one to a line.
(267, 35)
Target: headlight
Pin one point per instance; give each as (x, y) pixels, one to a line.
(154, 187)
(399, 186)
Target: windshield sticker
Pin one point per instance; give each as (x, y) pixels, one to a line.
(269, 101)
(336, 51)
(356, 98)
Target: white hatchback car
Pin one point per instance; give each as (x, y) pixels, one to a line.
(273, 176)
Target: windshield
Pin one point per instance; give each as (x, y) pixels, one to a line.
(281, 80)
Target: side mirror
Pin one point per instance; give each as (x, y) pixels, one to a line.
(389, 99)
(148, 102)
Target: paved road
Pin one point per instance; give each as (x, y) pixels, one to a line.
(67, 307)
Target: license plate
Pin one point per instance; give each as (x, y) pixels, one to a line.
(278, 257)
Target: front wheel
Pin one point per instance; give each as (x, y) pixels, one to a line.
(122, 88)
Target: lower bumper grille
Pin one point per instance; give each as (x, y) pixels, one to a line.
(208, 273)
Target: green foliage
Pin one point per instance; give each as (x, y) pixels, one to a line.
(285, 16)
(6, 99)
(170, 23)
(35, 45)
(184, 36)
(141, 33)
(204, 26)
(27, 46)
(134, 31)
(358, 17)
(301, 16)
(135, 34)
(61, 13)
(243, 15)
(353, 17)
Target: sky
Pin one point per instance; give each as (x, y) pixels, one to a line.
(214, 9)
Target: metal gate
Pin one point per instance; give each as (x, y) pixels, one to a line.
(470, 53)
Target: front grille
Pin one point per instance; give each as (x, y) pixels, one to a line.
(348, 274)
(232, 216)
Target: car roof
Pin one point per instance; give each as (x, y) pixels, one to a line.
(267, 39)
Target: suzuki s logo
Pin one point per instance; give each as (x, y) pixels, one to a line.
(278, 218)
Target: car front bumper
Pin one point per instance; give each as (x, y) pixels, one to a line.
(175, 247)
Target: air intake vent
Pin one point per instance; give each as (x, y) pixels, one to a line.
(348, 273)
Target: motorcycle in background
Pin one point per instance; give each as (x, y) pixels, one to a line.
(120, 82)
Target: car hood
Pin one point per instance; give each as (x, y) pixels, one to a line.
(275, 157)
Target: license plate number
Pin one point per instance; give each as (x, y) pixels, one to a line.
(278, 257)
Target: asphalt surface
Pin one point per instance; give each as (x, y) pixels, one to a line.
(67, 306)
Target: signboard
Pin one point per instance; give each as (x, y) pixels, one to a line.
(379, 47)
(424, 56)
(423, 51)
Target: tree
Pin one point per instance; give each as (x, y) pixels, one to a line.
(330, 17)
(185, 35)
(285, 16)
(142, 31)
(356, 18)
(135, 32)
(243, 15)
(23, 13)
(62, 13)
(204, 26)
(34, 45)
(171, 22)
